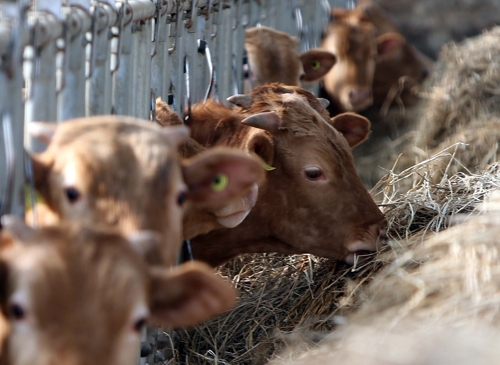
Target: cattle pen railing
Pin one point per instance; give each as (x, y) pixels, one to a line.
(64, 59)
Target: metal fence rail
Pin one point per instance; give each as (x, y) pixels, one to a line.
(63, 59)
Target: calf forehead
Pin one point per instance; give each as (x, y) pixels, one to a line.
(98, 149)
(278, 96)
(302, 115)
(351, 41)
(72, 277)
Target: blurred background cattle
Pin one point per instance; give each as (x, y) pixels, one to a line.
(340, 171)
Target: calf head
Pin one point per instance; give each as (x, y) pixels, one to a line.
(312, 200)
(273, 57)
(349, 83)
(398, 62)
(77, 296)
(125, 172)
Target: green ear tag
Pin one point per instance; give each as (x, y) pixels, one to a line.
(268, 168)
(219, 182)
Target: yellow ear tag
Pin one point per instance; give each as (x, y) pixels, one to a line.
(268, 168)
(219, 182)
(315, 65)
(27, 197)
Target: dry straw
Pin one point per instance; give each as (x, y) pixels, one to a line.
(279, 294)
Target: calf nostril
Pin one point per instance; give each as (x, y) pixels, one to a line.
(382, 233)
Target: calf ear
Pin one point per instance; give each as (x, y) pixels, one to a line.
(262, 145)
(388, 44)
(353, 127)
(221, 174)
(316, 64)
(188, 294)
(166, 116)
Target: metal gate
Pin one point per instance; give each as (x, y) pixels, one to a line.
(63, 59)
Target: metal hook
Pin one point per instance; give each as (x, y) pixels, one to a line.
(6, 204)
(187, 99)
(236, 18)
(93, 27)
(215, 18)
(173, 19)
(121, 17)
(245, 19)
(157, 28)
(62, 49)
(205, 50)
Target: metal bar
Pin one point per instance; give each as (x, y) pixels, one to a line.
(124, 76)
(11, 101)
(41, 103)
(71, 98)
(158, 73)
(99, 83)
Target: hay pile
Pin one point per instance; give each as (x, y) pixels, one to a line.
(464, 101)
(279, 294)
(436, 304)
(460, 104)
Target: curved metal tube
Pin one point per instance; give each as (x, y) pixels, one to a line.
(10, 163)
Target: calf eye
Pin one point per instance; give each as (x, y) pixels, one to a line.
(313, 173)
(181, 198)
(315, 65)
(139, 324)
(17, 312)
(219, 182)
(72, 194)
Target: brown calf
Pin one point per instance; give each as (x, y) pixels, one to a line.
(312, 199)
(349, 83)
(125, 172)
(75, 296)
(403, 66)
(273, 57)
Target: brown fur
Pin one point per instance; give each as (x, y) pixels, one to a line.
(355, 49)
(273, 57)
(82, 288)
(403, 69)
(291, 216)
(128, 174)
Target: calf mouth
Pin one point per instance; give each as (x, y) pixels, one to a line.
(360, 249)
(233, 214)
